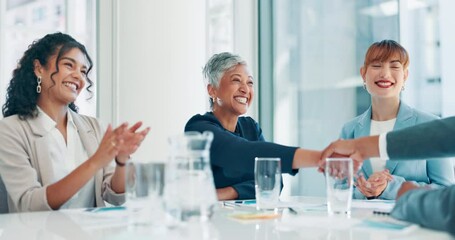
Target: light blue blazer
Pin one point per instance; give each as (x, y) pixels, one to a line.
(436, 173)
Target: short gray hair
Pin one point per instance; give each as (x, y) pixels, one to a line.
(218, 64)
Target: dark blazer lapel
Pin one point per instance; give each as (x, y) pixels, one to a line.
(405, 118)
(362, 129)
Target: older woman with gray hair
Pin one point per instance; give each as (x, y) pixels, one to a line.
(238, 140)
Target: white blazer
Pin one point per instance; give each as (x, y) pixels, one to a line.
(25, 167)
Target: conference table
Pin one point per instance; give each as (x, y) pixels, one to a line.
(297, 218)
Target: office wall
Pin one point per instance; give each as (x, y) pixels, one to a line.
(151, 54)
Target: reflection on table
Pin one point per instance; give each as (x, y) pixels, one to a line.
(298, 218)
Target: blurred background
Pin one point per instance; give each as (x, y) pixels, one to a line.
(305, 56)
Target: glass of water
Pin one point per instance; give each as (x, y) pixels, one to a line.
(339, 179)
(144, 191)
(267, 176)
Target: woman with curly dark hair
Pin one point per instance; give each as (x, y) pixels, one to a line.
(51, 157)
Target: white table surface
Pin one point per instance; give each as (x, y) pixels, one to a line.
(80, 224)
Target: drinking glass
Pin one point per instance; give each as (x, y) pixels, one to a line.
(339, 179)
(144, 191)
(267, 176)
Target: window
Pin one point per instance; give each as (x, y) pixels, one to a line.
(220, 26)
(310, 70)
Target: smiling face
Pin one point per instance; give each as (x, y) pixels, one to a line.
(385, 70)
(384, 79)
(62, 79)
(235, 91)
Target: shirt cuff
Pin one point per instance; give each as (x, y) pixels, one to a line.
(383, 147)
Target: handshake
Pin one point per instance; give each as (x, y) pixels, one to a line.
(358, 150)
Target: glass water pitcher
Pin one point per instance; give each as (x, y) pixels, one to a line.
(189, 190)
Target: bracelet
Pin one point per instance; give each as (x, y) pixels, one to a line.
(119, 163)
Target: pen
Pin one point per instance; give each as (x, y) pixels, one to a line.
(293, 211)
(105, 209)
(239, 203)
(376, 212)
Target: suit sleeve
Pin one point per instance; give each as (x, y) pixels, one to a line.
(245, 190)
(25, 192)
(430, 208)
(440, 174)
(107, 193)
(428, 140)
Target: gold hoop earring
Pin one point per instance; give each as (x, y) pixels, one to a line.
(38, 87)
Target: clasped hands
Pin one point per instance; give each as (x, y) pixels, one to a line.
(375, 184)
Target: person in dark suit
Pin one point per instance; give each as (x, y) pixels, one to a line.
(237, 139)
(430, 208)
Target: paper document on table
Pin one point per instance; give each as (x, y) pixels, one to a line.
(375, 223)
(95, 218)
(294, 205)
(386, 223)
(384, 205)
(293, 222)
(254, 215)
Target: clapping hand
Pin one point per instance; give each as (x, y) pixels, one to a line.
(132, 139)
(109, 145)
(119, 143)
